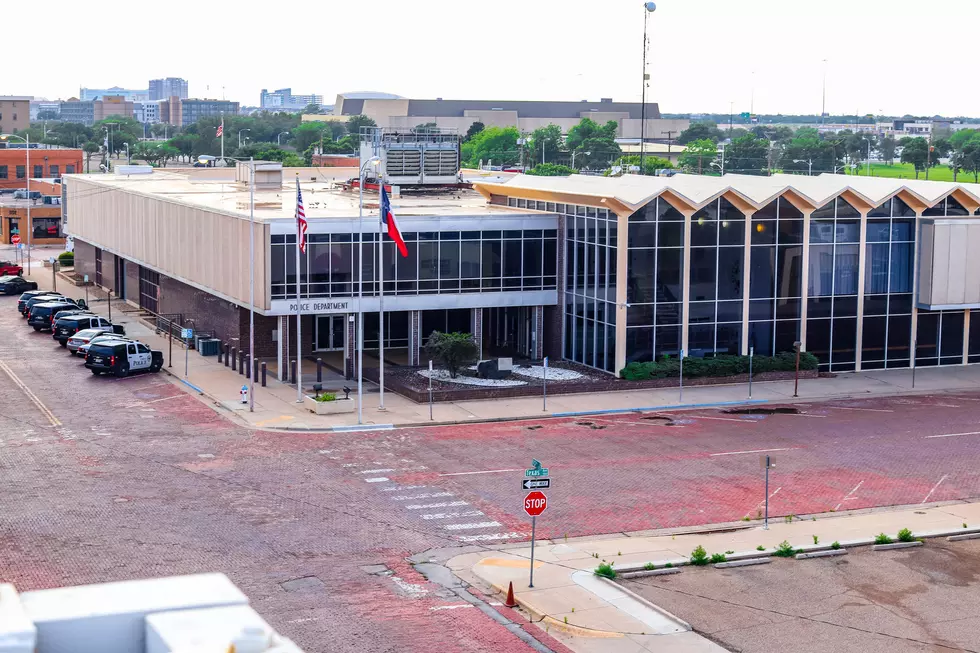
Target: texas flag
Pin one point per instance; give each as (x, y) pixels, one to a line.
(388, 220)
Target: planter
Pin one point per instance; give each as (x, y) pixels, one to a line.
(329, 407)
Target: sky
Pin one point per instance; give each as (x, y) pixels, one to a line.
(704, 55)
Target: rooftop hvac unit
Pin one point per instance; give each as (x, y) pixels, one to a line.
(414, 158)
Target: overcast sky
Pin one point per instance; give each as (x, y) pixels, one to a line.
(704, 54)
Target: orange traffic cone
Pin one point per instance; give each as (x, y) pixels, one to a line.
(511, 602)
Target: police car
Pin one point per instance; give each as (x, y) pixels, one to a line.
(120, 357)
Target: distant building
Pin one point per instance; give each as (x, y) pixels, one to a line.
(168, 87)
(131, 95)
(46, 162)
(147, 112)
(15, 113)
(49, 106)
(87, 112)
(283, 100)
(527, 115)
(176, 111)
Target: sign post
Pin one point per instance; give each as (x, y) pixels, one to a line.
(186, 334)
(751, 354)
(535, 502)
(767, 464)
(682, 378)
(544, 386)
(86, 289)
(430, 390)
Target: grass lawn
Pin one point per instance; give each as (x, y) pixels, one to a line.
(906, 171)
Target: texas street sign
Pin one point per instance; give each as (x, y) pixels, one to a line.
(536, 484)
(536, 469)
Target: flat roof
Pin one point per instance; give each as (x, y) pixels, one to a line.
(323, 194)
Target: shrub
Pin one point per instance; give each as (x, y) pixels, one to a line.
(784, 550)
(669, 565)
(728, 553)
(905, 535)
(325, 396)
(723, 365)
(760, 548)
(551, 170)
(717, 557)
(649, 566)
(66, 258)
(835, 545)
(816, 540)
(454, 350)
(881, 538)
(606, 570)
(699, 556)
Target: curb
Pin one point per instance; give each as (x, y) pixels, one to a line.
(960, 538)
(646, 409)
(649, 572)
(742, 563)
(680, 622)
(821, 554)
(895, 545)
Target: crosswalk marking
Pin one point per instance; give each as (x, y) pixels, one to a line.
(431, 495)
(471, 527)
(453, 515)
(445, 504)
(487, 538)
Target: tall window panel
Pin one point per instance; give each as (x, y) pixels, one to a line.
(939, 338)
(655, 274)
(717, 256)
(590, 292)
(888, 286)
(775, 281)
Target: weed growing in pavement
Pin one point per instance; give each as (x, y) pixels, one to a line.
(835, 545)
(813, 519)
(785, 550)
(619, 553)
(573, 609)
(718, 557)
(746, 518)
(905, 535)
(649, 566)
(758, 513)
(833, 510)
(816, 540)
(728, 553)
(964, 524)
(788, 519)
(669, 565)
(881, 538)
(566, 619)
(760, 548)
(699, 556)
(606, 570)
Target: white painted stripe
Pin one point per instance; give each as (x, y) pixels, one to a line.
(432, 495)
(872, 410)
(487, 538)
(848, 496)
(451, 515)
(935, 487)
(736, 453)
(376, 471)
(952, 435)
(489, 471)
(726, 419)
(761, 503)
(803, 415)
(400, 488)
(471, 527)
(452, 607)
(379, 479)
(445, 504)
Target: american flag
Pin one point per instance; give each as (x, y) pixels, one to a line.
(301, 224)
(221, 130)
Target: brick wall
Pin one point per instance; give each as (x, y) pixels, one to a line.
(133, 282)
(85, 259)
(207, 311)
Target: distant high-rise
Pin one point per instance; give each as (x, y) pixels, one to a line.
(283, 100)
(164, 89)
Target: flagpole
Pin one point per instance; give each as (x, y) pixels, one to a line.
(299, 314)
(222, 137)
(359, 338)
(381, 297)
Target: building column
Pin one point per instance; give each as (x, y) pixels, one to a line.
(746, 266)
(537, 335)
(622, 267)
(350, 346)
(476, 327)
(414, 342)
(915, 291)
(282, 355)
(966, 336)
(685, 284)
(805, 278)
(862, 263)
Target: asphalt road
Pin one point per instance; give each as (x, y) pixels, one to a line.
(109, 479)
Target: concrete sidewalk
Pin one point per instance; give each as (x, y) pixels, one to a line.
(594, 615)
(276, 406)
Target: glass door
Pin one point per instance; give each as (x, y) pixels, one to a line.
(330, 332)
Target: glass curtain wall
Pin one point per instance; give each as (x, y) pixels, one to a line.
(590, 285)
(717, 261)
(888, 274)
(775, 284)
(654, 292)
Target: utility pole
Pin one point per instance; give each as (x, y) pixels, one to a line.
(670, 133)
(823, 101)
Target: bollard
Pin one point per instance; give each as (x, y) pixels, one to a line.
(292, 371)
(263, 374)
(224, 347)
(234, 357)
(241, 363)
(247, 366)
(319, 370)
(255, 370)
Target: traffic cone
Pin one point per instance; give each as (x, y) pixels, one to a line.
(511, 602)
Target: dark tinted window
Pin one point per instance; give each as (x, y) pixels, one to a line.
(108, 350)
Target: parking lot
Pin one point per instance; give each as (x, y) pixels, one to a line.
(924, 599)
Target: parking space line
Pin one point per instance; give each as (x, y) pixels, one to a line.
(935, 487)
(30, 395)
(848, 496)
(379, 479)
(725, 419)
(872, 410)
(950, 435)
(774, 493)
(737, 453)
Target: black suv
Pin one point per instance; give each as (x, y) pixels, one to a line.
(68, 323)
(120, 357)
(33, 294)
(15, 285)
(42, 314)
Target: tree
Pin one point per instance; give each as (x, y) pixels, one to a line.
(354, 124)
(497, 144)
(775, 133)
(47, 114)
(808, 153)
(747, 155)
(941, 148)
(546, 142)
(311, 108)
(308, 133)
(90, 148)
(699, 155)
(185, 144)
(887, 149)
(551, 170)
(962, 137)
(453, 350)
(699, 131)
(969, 158)
(651, 163)
(594, 145)
(915, 151)
(474, 129)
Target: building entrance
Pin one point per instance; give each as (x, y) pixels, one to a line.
(330, 332)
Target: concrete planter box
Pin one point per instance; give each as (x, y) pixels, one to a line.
(329, 407)
(650, 572)
(821, 554)
(895, 545)
(742, 563)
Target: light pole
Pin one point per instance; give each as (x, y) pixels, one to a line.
(240, 136)
(573, 156)
(278, 136)
(809, 163)
(27, 167)
(823, 100)
(374, 160)
(129, 159)
(648, 8)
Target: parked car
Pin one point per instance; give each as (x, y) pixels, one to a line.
(31, 294)
(65, 326)
(42, 314)
(44, 297)
(120, 357)
(82, 349)
(7, 267)
(14, 285)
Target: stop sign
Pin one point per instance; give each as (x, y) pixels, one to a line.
(15, 239)
(535, 503)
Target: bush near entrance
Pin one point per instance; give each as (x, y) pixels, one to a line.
(725, 365)
(453, 350)
(66, 258)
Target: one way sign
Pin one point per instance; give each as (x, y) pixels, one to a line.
(536, 483)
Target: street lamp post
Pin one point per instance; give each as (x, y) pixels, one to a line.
(240, 136)
(573, 156)
(648, 8)
(278, 136)
(30, 227)
(374, 160)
